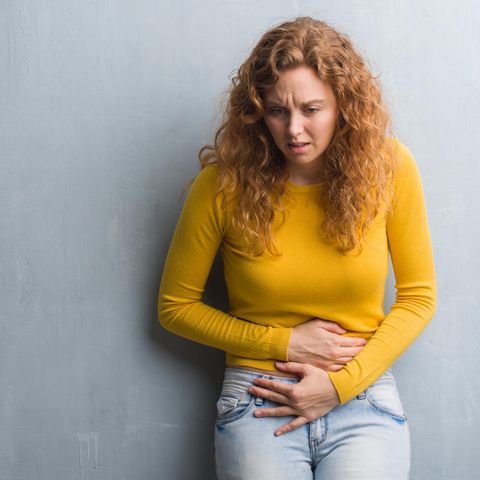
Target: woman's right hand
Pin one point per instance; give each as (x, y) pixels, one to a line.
(321, 343)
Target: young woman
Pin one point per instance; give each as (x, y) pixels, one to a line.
(306, 192)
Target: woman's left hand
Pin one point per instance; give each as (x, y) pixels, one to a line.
(312, 397)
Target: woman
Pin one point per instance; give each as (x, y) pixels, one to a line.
(306, 195)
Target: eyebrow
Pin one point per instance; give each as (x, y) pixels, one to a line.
(276, 102)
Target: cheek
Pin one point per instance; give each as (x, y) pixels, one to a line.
(333, 120)
(274, 128)
(325, 125)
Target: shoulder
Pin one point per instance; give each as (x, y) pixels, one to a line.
(205, 191)
(205, 182)
(408, 185)
(207, 177)
(405, 166)
(404, 159)
(209, 171)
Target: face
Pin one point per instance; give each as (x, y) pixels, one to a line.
(301, 113)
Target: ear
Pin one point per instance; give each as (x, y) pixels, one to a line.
(341, 120)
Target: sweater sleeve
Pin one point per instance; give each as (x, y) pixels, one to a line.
(197, 237)
(410, 249)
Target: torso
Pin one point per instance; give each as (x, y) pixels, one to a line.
(275, 373)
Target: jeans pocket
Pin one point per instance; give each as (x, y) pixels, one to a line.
(232, 406)
(384, 398)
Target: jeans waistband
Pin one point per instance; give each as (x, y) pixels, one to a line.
(238, 372)
(248, 375)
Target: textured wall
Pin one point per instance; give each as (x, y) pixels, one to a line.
(103, 107)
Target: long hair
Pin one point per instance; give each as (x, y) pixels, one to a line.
(358, 167)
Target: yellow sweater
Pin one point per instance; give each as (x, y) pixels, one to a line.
(269, 295)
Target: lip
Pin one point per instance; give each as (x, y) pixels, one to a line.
(298, 149)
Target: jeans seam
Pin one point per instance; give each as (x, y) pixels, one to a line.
(221, 422)
(395, 416)
(225, 421)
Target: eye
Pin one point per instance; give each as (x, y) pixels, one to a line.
(275, 110)
(312, 109)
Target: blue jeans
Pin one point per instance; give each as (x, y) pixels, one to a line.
(365, 438)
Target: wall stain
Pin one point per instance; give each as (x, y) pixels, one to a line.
(88, 453)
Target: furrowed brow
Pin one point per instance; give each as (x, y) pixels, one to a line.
(277, 103)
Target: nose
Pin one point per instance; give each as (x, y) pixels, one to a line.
(295, 125)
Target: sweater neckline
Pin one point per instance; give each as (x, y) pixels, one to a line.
(303, 188)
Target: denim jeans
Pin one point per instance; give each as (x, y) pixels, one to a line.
(365, 438)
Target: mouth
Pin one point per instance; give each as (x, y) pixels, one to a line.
(298, 147)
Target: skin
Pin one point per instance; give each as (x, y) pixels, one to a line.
(292, 116)
(317, 345)
(323, 344)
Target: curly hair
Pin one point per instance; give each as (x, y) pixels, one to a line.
(359, 166)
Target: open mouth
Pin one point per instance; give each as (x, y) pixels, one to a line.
(298, 147)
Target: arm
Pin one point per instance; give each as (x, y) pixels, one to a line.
(195, 242)
(412, 259)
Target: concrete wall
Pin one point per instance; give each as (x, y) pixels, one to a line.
(103, 107)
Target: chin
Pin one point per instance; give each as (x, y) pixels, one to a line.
(299, 160)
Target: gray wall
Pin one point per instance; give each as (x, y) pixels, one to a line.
(103, 107)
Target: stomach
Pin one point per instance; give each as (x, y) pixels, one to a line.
(275, 373)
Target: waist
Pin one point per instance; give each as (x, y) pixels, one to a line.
(276, 373)
(256, 365)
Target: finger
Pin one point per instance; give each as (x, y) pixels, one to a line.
(297, 422)
(332, 327)
(347, 341)
(268, 394)
(343, 360)
(292, 367)
(274, 386)
(344, 352)
(335, 368)
(282, 411)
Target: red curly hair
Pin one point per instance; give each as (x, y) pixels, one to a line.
(359, 165)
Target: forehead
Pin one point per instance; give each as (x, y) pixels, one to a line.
(299, 85)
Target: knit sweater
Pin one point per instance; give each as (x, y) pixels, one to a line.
(269, 295)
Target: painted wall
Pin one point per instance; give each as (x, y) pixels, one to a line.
(103, 108)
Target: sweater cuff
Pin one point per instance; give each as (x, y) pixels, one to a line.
(279, 345)
(342, 383)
